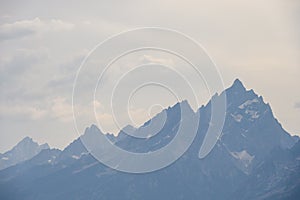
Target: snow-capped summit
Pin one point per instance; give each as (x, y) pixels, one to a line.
(24, 150)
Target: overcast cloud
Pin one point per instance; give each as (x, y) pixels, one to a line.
(43, 43)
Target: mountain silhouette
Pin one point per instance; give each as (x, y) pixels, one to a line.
(254, 158)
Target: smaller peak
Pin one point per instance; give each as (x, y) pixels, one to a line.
(94, 128)
(185, 104)
(45, 146)
(26, 140)
(29, 141)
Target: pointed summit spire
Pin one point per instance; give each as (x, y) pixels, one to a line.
(238, 84)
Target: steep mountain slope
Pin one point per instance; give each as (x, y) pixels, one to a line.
(277, 177)
(251, 131)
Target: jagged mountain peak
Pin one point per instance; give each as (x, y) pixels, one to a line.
(92, 128)
(24, 150)
(28, 141)
(238, 84)
(237, 94)
(238, 88)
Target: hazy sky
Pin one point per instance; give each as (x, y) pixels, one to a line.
(42, 44)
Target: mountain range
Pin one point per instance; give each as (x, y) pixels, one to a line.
(24, 150)
(254, 158)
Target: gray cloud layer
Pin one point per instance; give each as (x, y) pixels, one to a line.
(43, 43)
(23, 28)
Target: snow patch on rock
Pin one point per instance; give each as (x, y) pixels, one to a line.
(247, 103)
(237, 118)
(243, 156)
